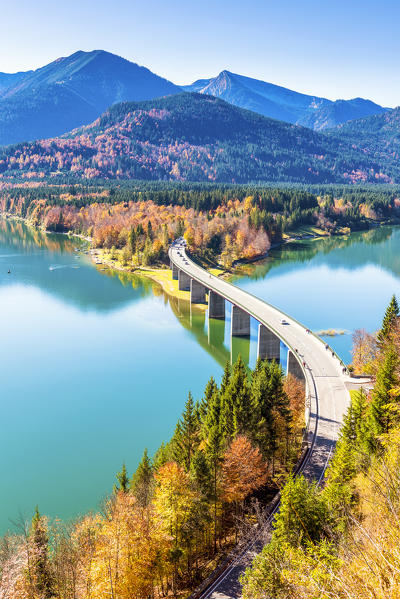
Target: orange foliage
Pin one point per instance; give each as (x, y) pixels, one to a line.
(243, 470)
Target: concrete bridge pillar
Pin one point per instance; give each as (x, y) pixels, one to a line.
(268, 345)
(216, 305)
(175, 271)
(294, 368)
(240, 322)
(197, 292)
(184, 281)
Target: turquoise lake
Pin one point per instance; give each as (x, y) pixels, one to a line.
(95, 366)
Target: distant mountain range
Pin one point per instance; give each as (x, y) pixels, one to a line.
(283, 104)
(196, 137)
(75, 90)
(70, 92)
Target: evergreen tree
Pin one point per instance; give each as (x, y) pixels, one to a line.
(226, 377)
(186, 435)
(123, 480)
(213, 438)
(270, 406)
(40, 572)
(200, 471)
(382, 411)
(142, 480)
(209, 391)
(235, 402)
(303, 514)
(349, 456)
(389, 320)
(132, 240)
(162, 455)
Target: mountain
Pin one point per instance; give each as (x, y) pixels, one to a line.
(192, 137)
(8, 80)
(70, 92)
(283, 104)
(376, 136)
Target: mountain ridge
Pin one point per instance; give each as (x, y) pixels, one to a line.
(72, 91)
(282, 103)
(193, 137)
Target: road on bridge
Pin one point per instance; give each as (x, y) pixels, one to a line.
(326, 382)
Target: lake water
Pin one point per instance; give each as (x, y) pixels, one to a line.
(95, 366)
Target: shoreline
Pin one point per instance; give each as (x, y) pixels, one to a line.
(161, 275)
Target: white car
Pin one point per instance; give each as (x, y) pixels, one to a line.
(283, 321)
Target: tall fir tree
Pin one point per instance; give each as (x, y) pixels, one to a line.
(213, 447)
(123, 480)
(186, 435)
(39, 573)
(382, 409)
(389, 320)
(142, 482)
(270, 407)
(209, 391)
(235, 402)
(226, 377)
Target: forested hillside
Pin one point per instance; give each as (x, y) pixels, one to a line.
(342, 540)
(192, 137)
(377, 136)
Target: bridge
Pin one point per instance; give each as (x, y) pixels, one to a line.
(309, 359)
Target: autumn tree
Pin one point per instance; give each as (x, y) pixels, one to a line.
(243, 470)
(364, 351)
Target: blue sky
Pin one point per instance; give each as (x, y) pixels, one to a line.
(331, 48)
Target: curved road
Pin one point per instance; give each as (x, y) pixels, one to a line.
(326, 384)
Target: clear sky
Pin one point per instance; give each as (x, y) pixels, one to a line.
(330, 48)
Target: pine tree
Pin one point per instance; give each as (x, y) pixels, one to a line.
(209, 391)
(213, 441)
(349, 452)
(235, 402)
(162, 455)
(226, 377)
(303, 514)
(142, 481)
(123, 480)
(200, 471)
(389, 320)
(381, 412)
(186, 435)
(132, 240)
(40, 573)
(270, 407)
